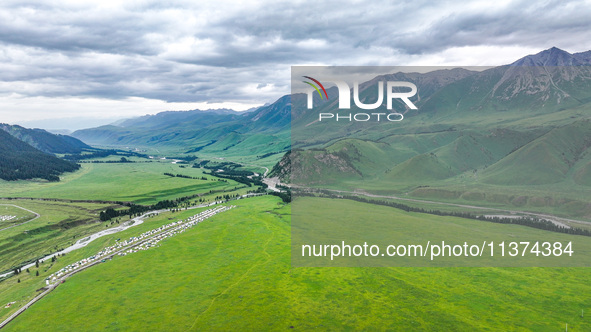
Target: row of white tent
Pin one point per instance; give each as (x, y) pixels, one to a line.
(165, 231)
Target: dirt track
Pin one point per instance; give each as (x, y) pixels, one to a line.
(37, 215)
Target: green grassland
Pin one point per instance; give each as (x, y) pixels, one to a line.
(234, 273)
(20, 215)
(329, 221)
(60, 224)
(116, 158)
(256, 161)
(141, 183)
(30, 283)
(463, 204)
(259, 149)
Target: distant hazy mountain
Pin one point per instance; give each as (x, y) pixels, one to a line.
(60, 131)
(546, 82)
(168, 118)
(68, 124)
(21, 161)
(45, 141)
(173, 118)
(262, 131)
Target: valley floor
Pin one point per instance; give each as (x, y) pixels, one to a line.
(234, 273)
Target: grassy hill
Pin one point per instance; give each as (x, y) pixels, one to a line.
(508, 136)
(547, 159)
(583, 175)
(424, 167)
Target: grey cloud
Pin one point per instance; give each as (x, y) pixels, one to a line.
(48, 31)
(129, 51)
(522, 23)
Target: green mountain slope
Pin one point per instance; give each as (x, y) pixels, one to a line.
(263, 131)
(20, 161)
(45, 141)
(424, 167)
(515, 136)
(583, 175)
(545, 160)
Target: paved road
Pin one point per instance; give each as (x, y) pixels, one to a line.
(266, 169)
(37, 215)
(26, 306)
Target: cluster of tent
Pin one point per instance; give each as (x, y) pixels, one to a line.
(144, 241)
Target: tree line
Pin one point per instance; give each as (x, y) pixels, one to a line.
(185, 176)
(104, 153)
(134, 210)
(524, 221)
(28, 167)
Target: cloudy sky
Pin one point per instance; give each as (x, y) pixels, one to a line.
(110, 59)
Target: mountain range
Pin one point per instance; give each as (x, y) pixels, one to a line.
(518, 134)
(541, 80)
(259, 132)
(514, 135)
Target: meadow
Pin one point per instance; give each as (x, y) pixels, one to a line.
(13, 215)
(323, 221)
(23, 287)
(60, 224)
(141, 183)
(64, 218)
(234, 273)
(561, 200)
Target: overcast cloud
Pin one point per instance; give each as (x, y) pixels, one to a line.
(110, 59)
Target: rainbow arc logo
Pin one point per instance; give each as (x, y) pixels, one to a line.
(316, 87)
